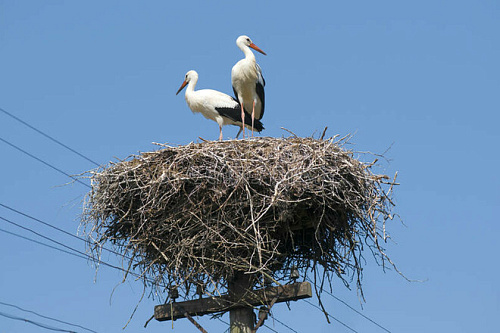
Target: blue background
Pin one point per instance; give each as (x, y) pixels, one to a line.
(421, 78)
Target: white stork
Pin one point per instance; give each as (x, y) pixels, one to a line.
(248, 82)
(212, 104)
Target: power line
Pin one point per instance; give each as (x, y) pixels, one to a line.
(42, 236)
(43, 244)
(225, 322)
(46, 317)
(59, 229)
(42, 161)
(40, 221)
(48, 136)
(282, 323)
(329, 315)
(353, 309)
(85, 255)
(35, 323)
(77, 254)
(55, 168)
(82, 254)
(272, 329)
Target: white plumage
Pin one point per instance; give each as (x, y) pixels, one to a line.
(248, 82)
(214, 105)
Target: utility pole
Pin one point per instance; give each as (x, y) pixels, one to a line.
(242, 320)
(239, 301)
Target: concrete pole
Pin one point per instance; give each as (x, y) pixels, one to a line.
(242, 320)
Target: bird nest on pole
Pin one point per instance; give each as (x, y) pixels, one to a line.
(197, 214)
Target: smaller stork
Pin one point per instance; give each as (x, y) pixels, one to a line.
(248, 82)
(214, 105)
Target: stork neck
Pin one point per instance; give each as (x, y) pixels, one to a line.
(191, 85)
(247, 52)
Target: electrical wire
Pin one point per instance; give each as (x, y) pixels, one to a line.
(40, 221)
(48, 136)
(270, 328)
(55, 168)
(42, 236)
(353, 309)
(43, 244)
(225, 322)
(42, 161)
(46, 317)
(282, 323)
(58, 229)
(329, 315)
(76, 252)
(3, 314)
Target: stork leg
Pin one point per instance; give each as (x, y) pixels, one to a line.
(243, 120)
(237, 135)
(220, 131)
(253, 114)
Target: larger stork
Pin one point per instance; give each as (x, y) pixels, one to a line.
(248, 82)
(214, 105)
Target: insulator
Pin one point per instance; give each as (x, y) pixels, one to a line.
(294, 273)
(263, 313)
(173, 293)
(200, 289)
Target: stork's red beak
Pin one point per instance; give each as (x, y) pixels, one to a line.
(256, 48)
(182, 87)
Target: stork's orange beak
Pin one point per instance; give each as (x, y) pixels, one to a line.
(256, 48)
(182, 87)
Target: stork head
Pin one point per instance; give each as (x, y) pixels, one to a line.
(246, 41)
(190, 76)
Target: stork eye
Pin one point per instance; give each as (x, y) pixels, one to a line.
(248, 40)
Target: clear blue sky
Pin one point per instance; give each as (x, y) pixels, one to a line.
(101, 76)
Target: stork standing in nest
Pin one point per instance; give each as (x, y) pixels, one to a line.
(248, 82)
(214, 105)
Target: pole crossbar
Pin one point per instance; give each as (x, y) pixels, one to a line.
(224, 303)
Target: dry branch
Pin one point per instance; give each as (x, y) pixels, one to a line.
(200, 213)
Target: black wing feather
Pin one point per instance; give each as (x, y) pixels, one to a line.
(235, 115)
(259, 88)
(260, 92)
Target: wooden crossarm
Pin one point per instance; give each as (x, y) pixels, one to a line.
(200, 307)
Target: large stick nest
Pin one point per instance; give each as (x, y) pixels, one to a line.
(200, 213)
